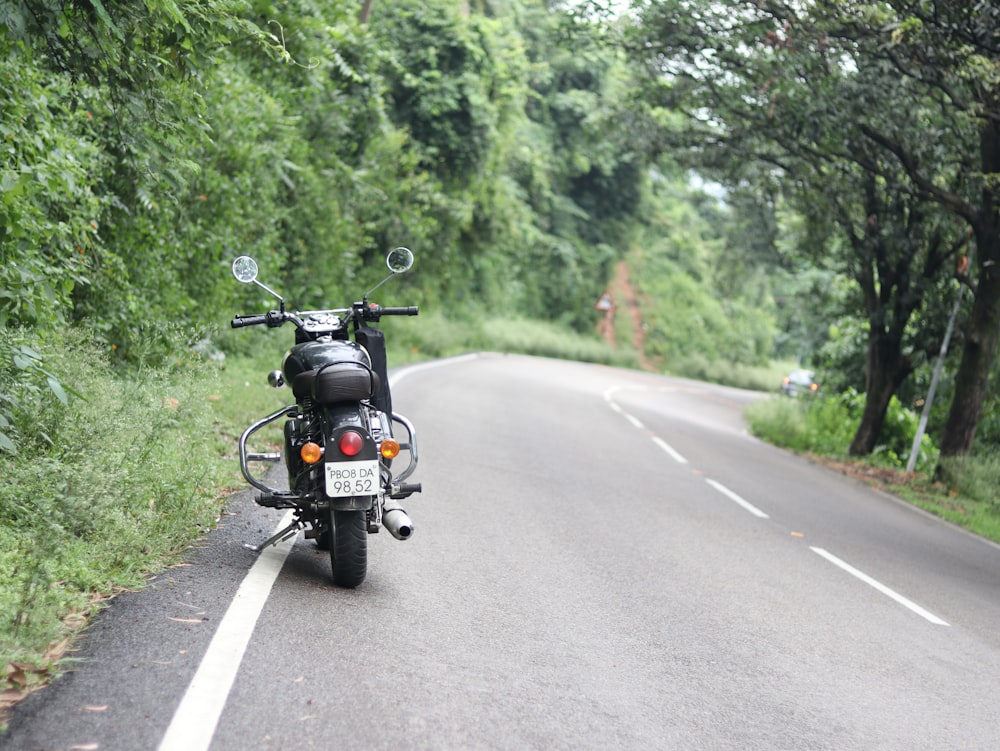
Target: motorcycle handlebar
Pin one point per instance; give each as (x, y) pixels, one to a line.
(273, 318)
(239, 322)
(410, 310)
(276, 317)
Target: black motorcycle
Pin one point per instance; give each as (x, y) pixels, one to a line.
(339, 445)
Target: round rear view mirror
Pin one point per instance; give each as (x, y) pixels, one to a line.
(245, 269)
(399, 260)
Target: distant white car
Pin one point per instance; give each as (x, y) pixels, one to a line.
(799, 382)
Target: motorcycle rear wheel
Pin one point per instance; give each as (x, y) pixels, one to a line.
(348, 547)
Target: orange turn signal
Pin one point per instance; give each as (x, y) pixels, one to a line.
(389, 448)
(311, 452)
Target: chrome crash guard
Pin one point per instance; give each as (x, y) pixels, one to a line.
(387, 512)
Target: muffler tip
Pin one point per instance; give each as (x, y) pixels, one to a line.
(398, 523)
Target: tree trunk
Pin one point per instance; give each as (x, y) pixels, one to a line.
(886, 369)
(983, 329)
(979, 352)
(366, 11)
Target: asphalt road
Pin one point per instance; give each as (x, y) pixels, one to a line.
(603, 559)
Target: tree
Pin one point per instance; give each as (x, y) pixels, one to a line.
(951, 52)
(773, 96)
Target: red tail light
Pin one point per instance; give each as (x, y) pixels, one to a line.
(351, 443)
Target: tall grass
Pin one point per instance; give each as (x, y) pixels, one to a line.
(975, 478)
(102, 489)
(435, 336)
(739, 375)
(826, 426)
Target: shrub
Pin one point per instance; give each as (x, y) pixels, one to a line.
(826, 426)
(974, 477)
(104, 486)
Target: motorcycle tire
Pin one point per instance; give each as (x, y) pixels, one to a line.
(349, 547)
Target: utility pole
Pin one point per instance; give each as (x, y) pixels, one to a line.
(922, 425)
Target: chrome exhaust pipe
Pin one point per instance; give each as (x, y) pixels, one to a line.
(397, 522)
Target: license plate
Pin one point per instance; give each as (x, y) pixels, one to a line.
(345, 479)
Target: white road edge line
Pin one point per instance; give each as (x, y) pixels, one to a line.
(733, 497)
(879, 586)
(198, 714)
(674, 454)
(400, 374)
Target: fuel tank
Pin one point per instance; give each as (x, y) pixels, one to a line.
(314, 355)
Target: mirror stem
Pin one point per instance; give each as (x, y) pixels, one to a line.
(273, 294)
(378, 285)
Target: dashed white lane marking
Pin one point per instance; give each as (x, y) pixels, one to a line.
(880, 587)
(633, 420)
(608, 397)
(736, 499)
(637, 423)
(674, 454)
(198, 715)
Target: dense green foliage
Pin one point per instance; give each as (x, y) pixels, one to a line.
(824, 425)
(148, 144)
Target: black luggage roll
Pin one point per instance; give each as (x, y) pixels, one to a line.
(373, 340)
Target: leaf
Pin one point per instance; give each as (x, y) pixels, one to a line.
(102, 13)
(6, 444)
(57, 389)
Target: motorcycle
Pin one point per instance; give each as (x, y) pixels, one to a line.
(339, 443)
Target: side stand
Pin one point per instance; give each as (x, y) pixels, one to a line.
(290, 531)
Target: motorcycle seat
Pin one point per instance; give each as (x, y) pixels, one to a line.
(336, 382)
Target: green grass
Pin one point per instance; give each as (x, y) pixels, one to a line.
(112, 486)
(102, 490)
(752, 377)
